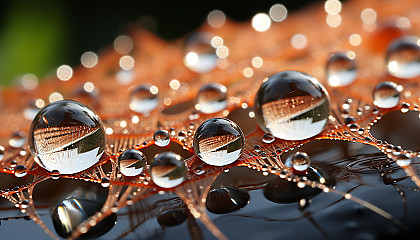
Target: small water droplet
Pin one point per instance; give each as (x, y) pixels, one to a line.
(144, 98)
(1, 152)
(200, 55)
(55, 174)
(211, 98)
(24, 204)
(182, 135)
(161, 138)
(402, 159)
(386, 95)
(300, 161)
(292, 106)
(341, 69)
(218, 141)
(66, 136)
(257, 148)
(168, 170)
(131, 162)
(405, 107)
(105, 182)
(20, 171)
(18, 139)
(268, 138)
(403, 57)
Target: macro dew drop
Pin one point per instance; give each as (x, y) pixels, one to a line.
(168, 170)
(144, 98)
(292, 106)
(300, 161)
(131, 162)
(386, 95)
(200, 55)
(403, 57)
(20, 171)
(161, 138)
(66, 136)
(218, 141)
(211, 98)
(341, 69)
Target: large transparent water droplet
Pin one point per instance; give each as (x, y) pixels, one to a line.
(403, 57)
(200, 55)
(131, 162)
(300, 161)
(292, 106)
(386, 95)
(72, 212)
(66, 136)
(168, 170)
(161, 138)
(144, 99)
(211, 98)
(218, 141)
(341, 69)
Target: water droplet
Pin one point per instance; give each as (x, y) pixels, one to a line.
(226, 199)
(341, 69)
(268, 138)
(257, 148)
(20, 171)
(168, 170)
(161, 138)
(55, 174)
(72, 212)
(32, 110)
(66, 136)
(18, 139)
(403, 57)
(386, 95)
(405, 107)
(105, 182)
(300, 161)
(172, 217)
(218, 141)
(211, 98)
(144, 99)
(24, 204)
(1, 152)
(182, 136)
(200, 55)
(402, 159)
(131, 162)
(292, 106)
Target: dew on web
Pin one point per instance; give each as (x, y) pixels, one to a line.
(216, 117)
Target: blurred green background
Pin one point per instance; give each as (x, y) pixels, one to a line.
(38, 36)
